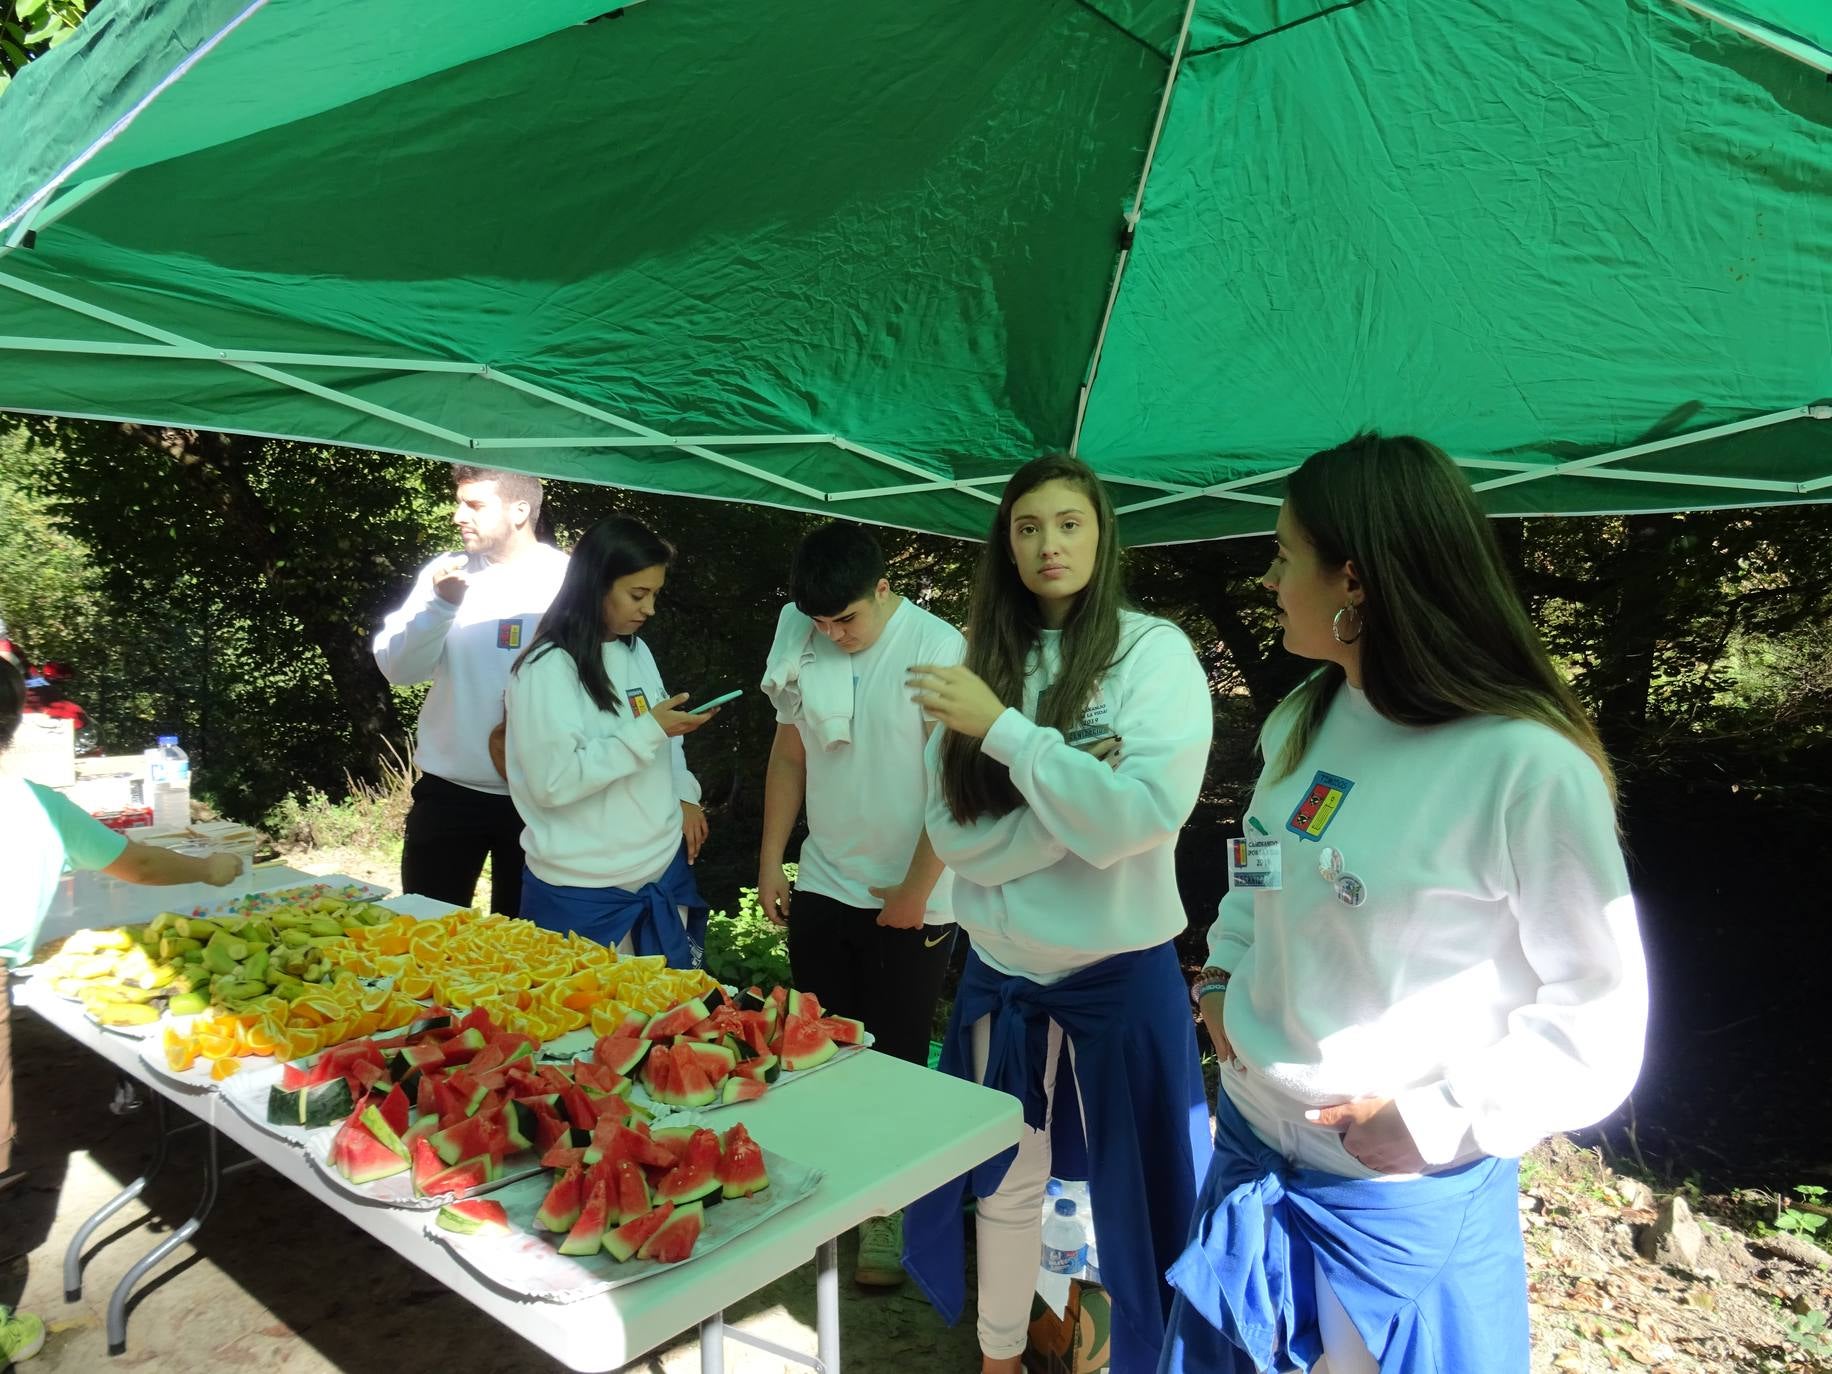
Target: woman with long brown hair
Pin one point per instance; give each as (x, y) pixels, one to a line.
(1074, 744)
(1428, 957)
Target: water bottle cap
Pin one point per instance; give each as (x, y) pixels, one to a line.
(1065, 1206)
(1053, 1188)
(165, 740)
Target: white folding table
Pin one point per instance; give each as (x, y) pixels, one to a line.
(881, 1131)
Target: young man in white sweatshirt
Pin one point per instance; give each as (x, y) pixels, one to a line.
(467, 619)
(870, 919)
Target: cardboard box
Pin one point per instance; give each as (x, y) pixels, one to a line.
(1077, 1342)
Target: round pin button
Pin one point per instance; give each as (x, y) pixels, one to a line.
(1350, 890)
(1329, 863)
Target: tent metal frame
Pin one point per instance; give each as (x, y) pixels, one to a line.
(629, 434)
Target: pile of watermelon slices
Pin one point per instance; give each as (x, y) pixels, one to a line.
(713, 1049)
(637, 1192)
(450, 1101)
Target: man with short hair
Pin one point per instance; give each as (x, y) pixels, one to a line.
(870, 919)
(465, 623)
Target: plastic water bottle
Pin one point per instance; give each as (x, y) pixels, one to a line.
(171, 777)
(1065, 1240)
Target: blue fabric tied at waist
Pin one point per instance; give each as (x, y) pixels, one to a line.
(650, 916)
(1135, 1062)
(1430, 1270)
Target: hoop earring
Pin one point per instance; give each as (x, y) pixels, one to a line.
(1335, 624)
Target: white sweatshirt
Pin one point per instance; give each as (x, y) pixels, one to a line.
(1492, 981)
(601, 794)
(1086, 869)
(865, 794)
(466, 651)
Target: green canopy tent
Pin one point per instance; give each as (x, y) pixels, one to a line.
(863, 258)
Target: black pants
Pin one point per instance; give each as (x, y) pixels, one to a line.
(450, 829)
(889, 979)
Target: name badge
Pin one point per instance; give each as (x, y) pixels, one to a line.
(639, 702)
(509, 634)
(1255, 864)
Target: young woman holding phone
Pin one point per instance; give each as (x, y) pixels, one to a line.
(1074, 744)
(594, 758)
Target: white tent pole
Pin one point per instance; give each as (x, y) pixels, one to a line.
(21, 216)
(1132, 224)
(1782, 43)
(1580, 466)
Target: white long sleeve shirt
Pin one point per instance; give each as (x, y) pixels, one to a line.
(466, 652)
(1492, 980)
(1086, 868)
(600, 794)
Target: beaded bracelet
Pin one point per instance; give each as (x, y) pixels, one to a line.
(1209, 980)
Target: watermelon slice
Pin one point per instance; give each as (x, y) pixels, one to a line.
(420, 1129)
(677, 1021)
(579, 1109)
(426, 1093)
(476, 1217)
(409, 1058)
(360, 1157)
(426, 1165)
(675, 1140)
(394, 1111)
(690, 1183)
(474, 1135)
(463, 1047)
(315, 1104)
(623, 1243)
(464, 1177)
(628, 1194)
(478, 1019)
(751, 999)
(763, 1069)
(632, 1026)
(739, 1089)
(564, 1157)
(601, 1077)
(714, 1060)
(845, 1030)
(675, 1240)
(804, 1005)
(587, 1234)
(741, 1170)
(620, 1053)
(563, 1203)
(805, 1044)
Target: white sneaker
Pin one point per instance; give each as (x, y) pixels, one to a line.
(880, 1252)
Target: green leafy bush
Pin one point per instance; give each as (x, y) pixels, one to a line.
(747, 949)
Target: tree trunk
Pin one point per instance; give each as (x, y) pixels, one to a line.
(1639, 577)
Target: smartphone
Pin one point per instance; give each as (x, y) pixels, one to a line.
(706, 706)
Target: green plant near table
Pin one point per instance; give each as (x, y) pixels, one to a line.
(747, 949)
(1807, 1225)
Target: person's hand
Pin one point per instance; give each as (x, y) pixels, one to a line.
(1210, 1007)
(903, 910)
(693, 829)
(957, 697)
(1374, 1132)
(222, 869)
(677, 722)
(499, 744)
(774, 893)
(450, 581)
(1108, 750)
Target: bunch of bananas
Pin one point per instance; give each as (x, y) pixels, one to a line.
(129, 975)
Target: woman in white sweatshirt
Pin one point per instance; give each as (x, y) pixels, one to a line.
(594, 757)
(1428, 957)
(1076, 737)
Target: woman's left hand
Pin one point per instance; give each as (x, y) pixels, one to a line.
(957, 697)
(693, 829)
(1374, 1132)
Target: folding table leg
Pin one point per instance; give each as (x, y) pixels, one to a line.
(73, 1253)
(712, 1344)
(827, 1304)
(117, 1301)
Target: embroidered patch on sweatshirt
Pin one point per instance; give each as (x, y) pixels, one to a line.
(1322, 800)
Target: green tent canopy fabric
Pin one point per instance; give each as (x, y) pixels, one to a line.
(865, 259)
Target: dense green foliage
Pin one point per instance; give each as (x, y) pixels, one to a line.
(228, 588)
